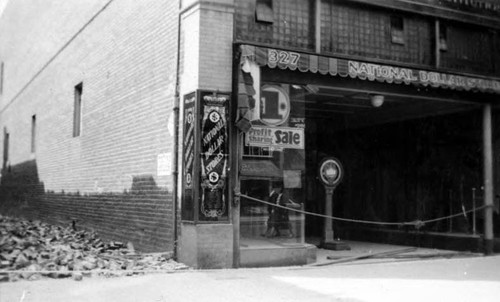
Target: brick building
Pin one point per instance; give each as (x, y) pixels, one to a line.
(171, 123)
(87, 93)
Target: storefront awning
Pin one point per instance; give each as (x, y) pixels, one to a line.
(284, 59)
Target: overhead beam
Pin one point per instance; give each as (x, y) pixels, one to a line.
(440, 10)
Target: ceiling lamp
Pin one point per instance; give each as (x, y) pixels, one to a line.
(377, 100)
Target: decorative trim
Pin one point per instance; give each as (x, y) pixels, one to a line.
(284, 59)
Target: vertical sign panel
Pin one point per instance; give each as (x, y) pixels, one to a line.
(214, 157)
(188, 156)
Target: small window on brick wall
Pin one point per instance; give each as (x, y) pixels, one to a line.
(264, 11)
(33, 134)
(77, 117)
(5, 148)
(397, 30)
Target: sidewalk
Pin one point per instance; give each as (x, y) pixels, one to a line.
(410, 279)
(374, 253)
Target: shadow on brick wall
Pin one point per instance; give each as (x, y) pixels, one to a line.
(20, 189)
(142, 214)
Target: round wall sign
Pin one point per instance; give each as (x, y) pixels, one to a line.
(331, 171)
(274, 105)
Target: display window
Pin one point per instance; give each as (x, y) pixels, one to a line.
(273, 169)
(406, 149)
(406, 157)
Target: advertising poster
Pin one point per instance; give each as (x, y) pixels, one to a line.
(214, 157)
(189, 116)
(275, 138)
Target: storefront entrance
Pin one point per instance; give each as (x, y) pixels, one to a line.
(409, 154)
(406, 158)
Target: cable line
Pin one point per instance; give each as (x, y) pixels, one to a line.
(417, 223)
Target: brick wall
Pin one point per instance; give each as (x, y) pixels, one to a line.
(293, 25)
(56, 22)
(216, 33)
(206, 63)
(142, 215)
(125, 54)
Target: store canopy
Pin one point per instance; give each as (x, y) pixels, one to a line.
(284, 59)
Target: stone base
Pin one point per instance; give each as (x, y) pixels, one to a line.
(206, 246)
(274, 255)
(335, 246)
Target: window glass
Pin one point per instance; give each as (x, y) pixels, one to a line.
(273, 168)
(397, 30)
(33, 134)
(264, 11)
(5, 148)
(77, 119)
(443, 36)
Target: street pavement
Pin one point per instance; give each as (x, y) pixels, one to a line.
(472, 278)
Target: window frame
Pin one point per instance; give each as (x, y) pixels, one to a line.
(264, 12)
(397, 23)
(77, 113)
(6, 142)
(443, 36)
(33, 133)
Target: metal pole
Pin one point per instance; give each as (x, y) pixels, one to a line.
(451, 212)
(474, 213)
(328, 227)
(329, 241)
(437, 51)
(488, 180)
(317, 26)
(302, 224)
(234, 159)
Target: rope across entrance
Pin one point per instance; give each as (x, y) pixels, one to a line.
(416, 223)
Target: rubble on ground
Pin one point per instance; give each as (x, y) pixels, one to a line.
(33, 250)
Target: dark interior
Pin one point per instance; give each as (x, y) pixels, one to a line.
(410, 158)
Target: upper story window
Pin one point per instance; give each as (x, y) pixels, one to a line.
(5, 148)
(443, 36)
(397, 30)
(264, 11)
(77, 117)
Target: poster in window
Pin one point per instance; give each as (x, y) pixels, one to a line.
(292, 179)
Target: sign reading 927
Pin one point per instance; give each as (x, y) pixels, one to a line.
(275, 137)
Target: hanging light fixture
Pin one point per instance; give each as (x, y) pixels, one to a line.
(377, 100)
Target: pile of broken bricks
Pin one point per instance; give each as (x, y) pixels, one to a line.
(33, 250)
